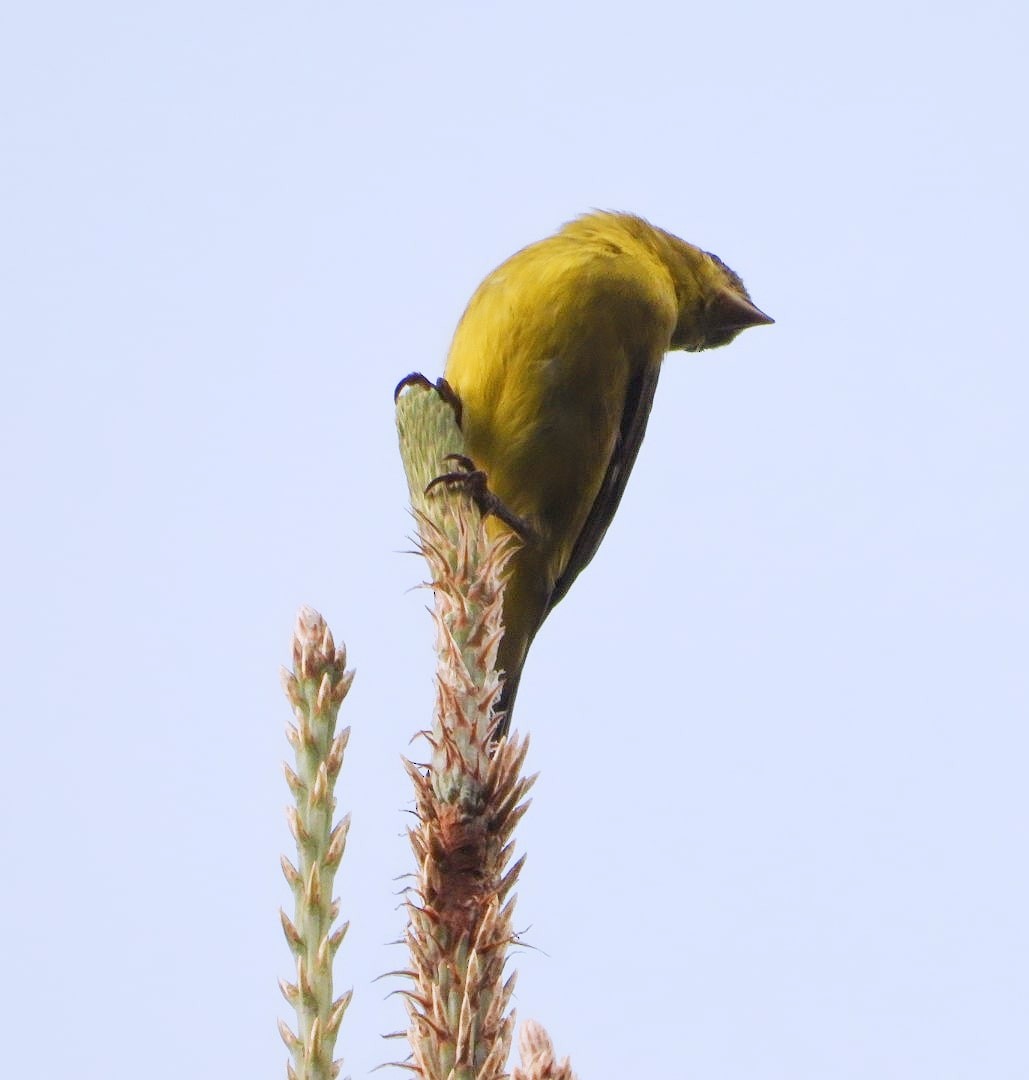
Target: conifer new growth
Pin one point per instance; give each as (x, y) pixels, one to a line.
(315, 688)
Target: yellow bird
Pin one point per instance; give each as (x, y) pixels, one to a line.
(555, 362)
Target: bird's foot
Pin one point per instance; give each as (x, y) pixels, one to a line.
(441, 386)
(474, 481)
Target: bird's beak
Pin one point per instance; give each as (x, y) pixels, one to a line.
(730, 311)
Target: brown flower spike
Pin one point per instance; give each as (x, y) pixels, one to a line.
(472, 794)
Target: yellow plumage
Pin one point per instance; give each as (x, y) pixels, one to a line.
(555, 361)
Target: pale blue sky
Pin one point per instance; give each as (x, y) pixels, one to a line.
(781, 825)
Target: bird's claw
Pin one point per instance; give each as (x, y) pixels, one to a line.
(441, 386)
(474, 482)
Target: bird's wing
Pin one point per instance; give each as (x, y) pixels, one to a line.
(638, 401)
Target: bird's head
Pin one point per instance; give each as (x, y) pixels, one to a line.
(714, 306)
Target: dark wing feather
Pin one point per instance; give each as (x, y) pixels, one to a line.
(638, 402)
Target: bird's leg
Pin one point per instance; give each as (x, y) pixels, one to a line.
(441, 386)
(474, 481)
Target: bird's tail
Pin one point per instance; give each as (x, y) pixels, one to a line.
(505, 703)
